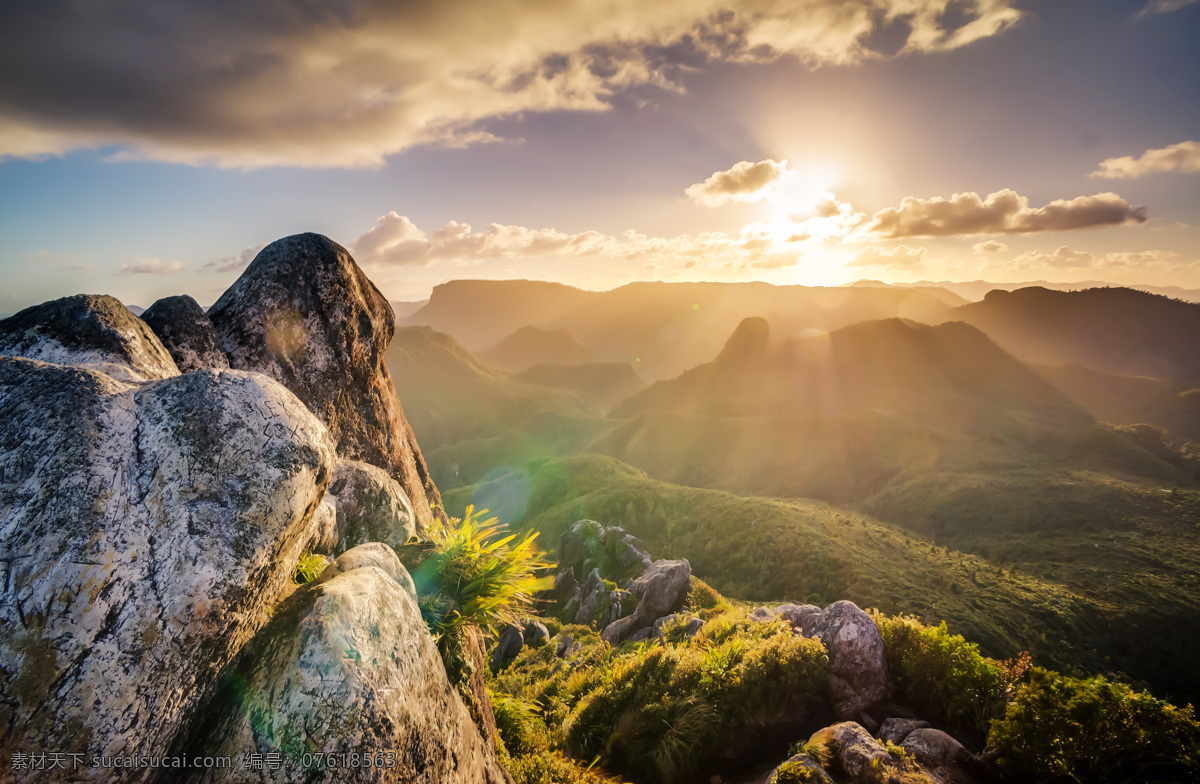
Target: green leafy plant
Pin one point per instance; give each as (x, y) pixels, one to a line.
(309, 567)
(702, 596)
(1063, 729)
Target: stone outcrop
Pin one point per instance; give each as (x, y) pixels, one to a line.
(371, 506)
(97, 332)
(799, 614)
(857, 672)
(799, 767)
(180, 323)
(857, 752)
(146, 529)
(934, 747)
(588, 545)
(304, 314)
(346, 666)
(896, 730)
(660, 590)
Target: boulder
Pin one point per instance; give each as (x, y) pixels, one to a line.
(324, 531)
(374, 554)
(642, 634)
(346, 667)
(798, 614)
(566, 646)
(508, 646)
(799, 768)
(186, 333)
(600, 604)
(147, 530)
(857, 673)
(661, 589)
(371, 506)
(535, 633)
(762, 615)
(896, 730)
(97, 332)
(616, 554)
(856, 751)
(304, 314)
(934, 747)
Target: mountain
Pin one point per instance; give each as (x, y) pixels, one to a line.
(661, 329)
(405, 309)
(937, 291)
(975, 290)
(530, 346)
(1127, 400)
(1113, 330)
(602, 384)
(473, 417)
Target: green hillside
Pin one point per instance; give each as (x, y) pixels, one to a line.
(1048, 592)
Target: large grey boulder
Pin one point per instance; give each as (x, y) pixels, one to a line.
(798, 615)
(180, 323)
(147, 529)
(305, 314)
(660, 590)
(508, 646)
(374, 554)
(857, 672)
(88, 330)
(856, 751)
(371, 506)
(346, 667)
(934, 747)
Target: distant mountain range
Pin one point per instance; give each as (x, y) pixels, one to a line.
(975, 290)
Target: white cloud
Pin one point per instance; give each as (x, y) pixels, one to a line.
(348, 83)
(1182, 157)
(1061, 257)
(149, 267)
(1002, 212)
(1155, 7)
(899, 256)
(234, 263)
(989, 246)
(743, 182)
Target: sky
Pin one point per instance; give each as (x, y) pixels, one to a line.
(152, 148)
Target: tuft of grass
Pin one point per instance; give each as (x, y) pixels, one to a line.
(309, 567)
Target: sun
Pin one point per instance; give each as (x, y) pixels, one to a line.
(802, 189)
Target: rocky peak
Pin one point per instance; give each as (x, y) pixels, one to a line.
(748, 341)
(186, 332)
(95, 331)
(305, 314)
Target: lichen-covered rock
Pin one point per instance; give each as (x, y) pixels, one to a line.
(371, 506)
(374, 554)
(797, 769)
(934, 747)
(146, 530)
(896, 730)
(661, 589)
(93, 331)
(857, 672)
(346, 667)
(305, 314)
(180, 323)
(799, 614)
(854, 747)
(762, 615)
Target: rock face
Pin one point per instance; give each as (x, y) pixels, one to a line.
(94, 331)
(661, 589)
(146, 530)
(857, 673)
(371, 506)
(180, 323)
(305, 314)
(346, 666)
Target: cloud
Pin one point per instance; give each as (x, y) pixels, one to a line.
(1003, 212)
(346, 84)
(396, 241)
(1155, 7)
(1060, 258)
(1182, 157)
(744, 182)
(149, 267)
(234, 263)
(899, 256)
(1065, 257)
(990, 246)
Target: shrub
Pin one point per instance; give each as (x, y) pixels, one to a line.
(943, 676)
(702, 596)
(309, 567)
(519, 725)
(1062, 729)
(552, 768)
